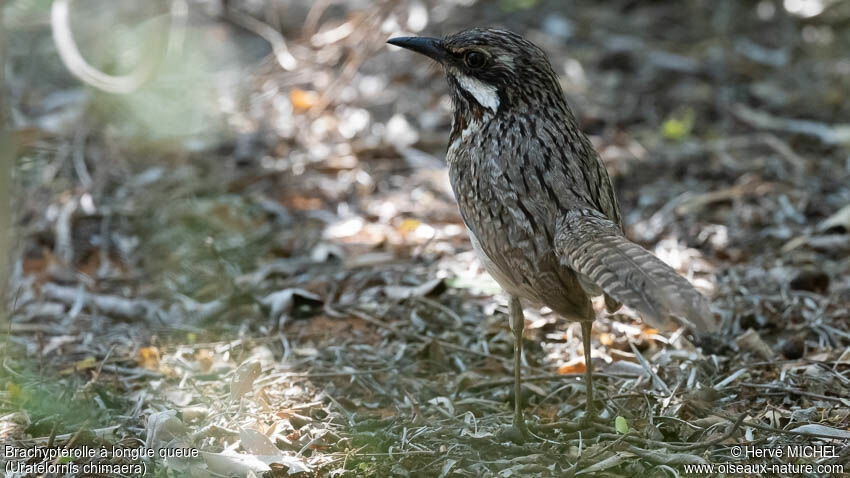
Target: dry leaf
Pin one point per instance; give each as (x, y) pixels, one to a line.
(816, 429)
(838, 222)
(257, 443)
(86, 363)
(233, 464)
(573, 367)
(162, 427)
(629, 369)
(284, 301)
(205, 360)
(751, 341)
(303, 100)
(407, 226)
(610, 462)
(195, 412)
(148, 357)
(243, 379)
(399, 292)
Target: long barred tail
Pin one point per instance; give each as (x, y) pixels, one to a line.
(595, 247)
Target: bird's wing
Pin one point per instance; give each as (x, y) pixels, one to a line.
(592, 245)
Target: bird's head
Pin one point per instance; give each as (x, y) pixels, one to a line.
(490, 71)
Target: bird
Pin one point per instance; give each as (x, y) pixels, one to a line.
(539, 206)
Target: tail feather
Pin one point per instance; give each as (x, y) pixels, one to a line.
(595, 247)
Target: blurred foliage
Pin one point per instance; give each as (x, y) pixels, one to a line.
(57, 404)
(7, 152)
(19, 12)
(6, 158)
(180, 103)
(514, 5)
(198, 244)
(679, 125)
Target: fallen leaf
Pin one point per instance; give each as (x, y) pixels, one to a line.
(294, 464)
(610, 462)
(751, 341)
(205, 360)
(575, 367)
(162, 427)
(243, 379)
(196, 412)
(86, 363)
(285, 301)
(837, 223)
(443, 403)
(407, 226)
(234, 464)
(257, 443)
(148, 358)
(447, 467)
(399, 292)
(621, 425)
(179, 397)
(480, 434)
(814, 428)
(303, 100)
(630, 369)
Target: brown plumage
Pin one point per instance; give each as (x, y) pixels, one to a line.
(539, 205)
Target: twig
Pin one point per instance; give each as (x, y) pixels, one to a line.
(567, 426)
(607, 433)
(795, 391)
(274, 377)
(442, 308)
(422, 338)
(540, 378)
(649, 370)
(311, 22)
(70, 54)
(661, 458)
(715, 441)
(79, 158)
(64, 247)
(829, 134)
(572, 469)
(759, 426)
(275, 39)
(106, 304)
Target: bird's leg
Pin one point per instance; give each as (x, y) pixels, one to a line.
(517, 324)
(589, 413)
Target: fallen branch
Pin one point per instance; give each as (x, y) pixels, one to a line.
(110, 305)
(829, 134)
(275, 39)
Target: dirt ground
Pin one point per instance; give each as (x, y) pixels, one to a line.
(256, 258)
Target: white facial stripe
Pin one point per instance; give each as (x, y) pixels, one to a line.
(483, 93)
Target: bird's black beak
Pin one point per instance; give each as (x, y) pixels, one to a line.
(430, 47)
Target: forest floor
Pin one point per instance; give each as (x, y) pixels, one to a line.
(281, 279)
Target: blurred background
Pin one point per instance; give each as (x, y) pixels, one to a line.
(227, 225)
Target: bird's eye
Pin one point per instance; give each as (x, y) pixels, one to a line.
(474, 59)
